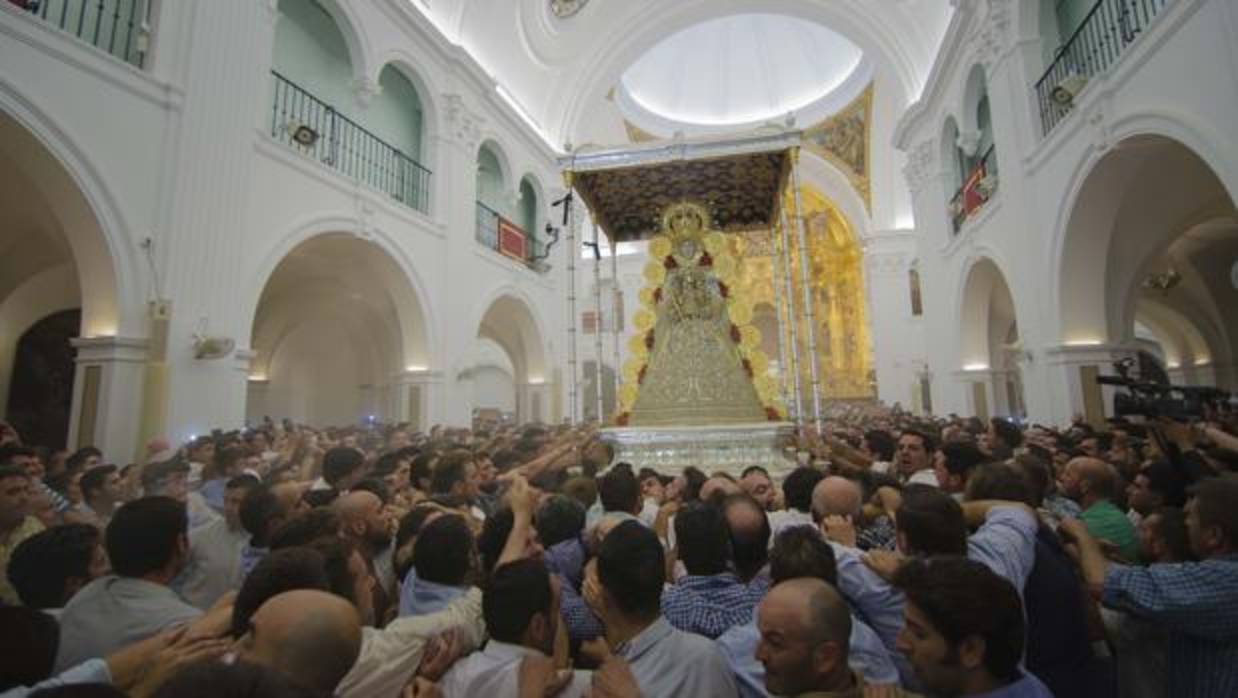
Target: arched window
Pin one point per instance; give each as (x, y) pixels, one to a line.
(490, 185)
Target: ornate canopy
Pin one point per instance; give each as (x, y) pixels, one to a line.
(737, 178)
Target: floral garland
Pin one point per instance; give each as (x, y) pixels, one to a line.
(745, 335)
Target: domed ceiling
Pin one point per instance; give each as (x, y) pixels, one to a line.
(739, 70)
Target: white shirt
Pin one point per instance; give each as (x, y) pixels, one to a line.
(787, 518)
(389, 656)
(495, 672)
(214, 565)
(924, 477)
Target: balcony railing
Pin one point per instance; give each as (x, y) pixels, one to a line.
(311, 126)
(503, 236)
(119, 27)
(1097, 44)
(977, 189)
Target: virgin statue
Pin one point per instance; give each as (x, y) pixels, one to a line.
(695, 374)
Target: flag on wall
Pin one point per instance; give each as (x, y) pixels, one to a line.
(512, 240)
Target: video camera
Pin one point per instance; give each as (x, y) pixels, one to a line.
(1153, 400)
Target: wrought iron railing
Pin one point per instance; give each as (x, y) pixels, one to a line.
(979, 186)
(119, 27)
(1100, 40)
(497, 233)
(316, 129)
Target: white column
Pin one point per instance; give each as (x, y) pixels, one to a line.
(107, 394)
(1071, 372)
(416, 395)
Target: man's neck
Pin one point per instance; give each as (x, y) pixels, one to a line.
(621, 630)
(1088, 501)
(102, 507)
(840, 680)
(978, 682)
(162, 577)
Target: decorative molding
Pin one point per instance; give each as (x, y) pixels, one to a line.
(845, 140)
(995, 38)
(463, 126)
(886, 262)
(920, 167)
(365, 90)
(564, 9)
(968, 141)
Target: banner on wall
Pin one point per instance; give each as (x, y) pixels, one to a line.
(512, 240)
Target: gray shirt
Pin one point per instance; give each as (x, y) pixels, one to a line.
(668, 663)
(112, 612)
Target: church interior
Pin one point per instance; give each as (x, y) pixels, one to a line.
(341, 211)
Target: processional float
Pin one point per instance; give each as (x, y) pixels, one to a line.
(697, 389)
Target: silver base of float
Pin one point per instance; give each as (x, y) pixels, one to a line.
(730, 447)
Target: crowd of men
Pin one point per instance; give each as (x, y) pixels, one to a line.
(892, 556)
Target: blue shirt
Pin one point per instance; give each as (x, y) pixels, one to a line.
(1027, 687)
(213, 493)
(1196, 603)
(419, 597)
(250, 557)
(709, 605)
(867, 656)
(668, 663)
(89, 671)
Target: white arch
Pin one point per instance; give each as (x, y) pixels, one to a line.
(427, 90)
(983, 288)
(46, 293)
(1078, 294)
(877, 39)
(830, 181)
(537, 360)
(491, 142)
(417, 319)
(90, 215)
(352, 28)
(974, 89)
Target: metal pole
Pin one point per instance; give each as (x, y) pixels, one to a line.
(792, 321)
(597, 322)
(784, 356)
(572, 250)
(616, 309)
(809, 312)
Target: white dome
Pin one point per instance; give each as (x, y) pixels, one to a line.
(738, 70)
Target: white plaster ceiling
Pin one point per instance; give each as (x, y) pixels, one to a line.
(738, 70)
(562, 71)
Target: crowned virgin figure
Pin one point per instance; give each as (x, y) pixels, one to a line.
(695, 374)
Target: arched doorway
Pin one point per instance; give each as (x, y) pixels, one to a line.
(41, 392)
(510, 325)
(55, 256)
(337, 334)
(990, 347)
(1153, 236)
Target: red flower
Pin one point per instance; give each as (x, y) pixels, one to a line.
(735, 337)
(657, 295)
(706, 260)
(770, 413)
(670, 262)
(724, 290)
(622, 419)
(640, 377)
(748, 367)
(649, 340)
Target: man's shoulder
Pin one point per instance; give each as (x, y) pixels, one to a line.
(692, 646)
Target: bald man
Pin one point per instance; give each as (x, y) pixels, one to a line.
(805, 629)
(367, 522)
(1093, 483)
(838, 496)
(312, 636)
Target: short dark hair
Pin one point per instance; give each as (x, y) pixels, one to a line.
(410, 526)
(693, 479)
(961, 598)
(282, 570)
(493, 538)
(386, 464)
(931, 521)
(797, 488)
(929, 443)
(749, 547)
(258, 507)
(753, 469)
(631, 565)
(800, 551)
(559, 518)
(337, 555)
(515, 593)
(226, 459)
(7, 471)
(1172, 529)
(143, 534)
(702, 539)
(41, 566)
(79, 457)
(449, 470)
(1216, 501)
(960, 457)
(619, 490)
(444, 551)
(1007, 431)
(10, 451)
(28, 644)
(1167, 481)
(244, 480)
(376, 487)
(881, 443)
(305, 528)
(213, 679)
(340, 462)
(999, 481)
(94, 479)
